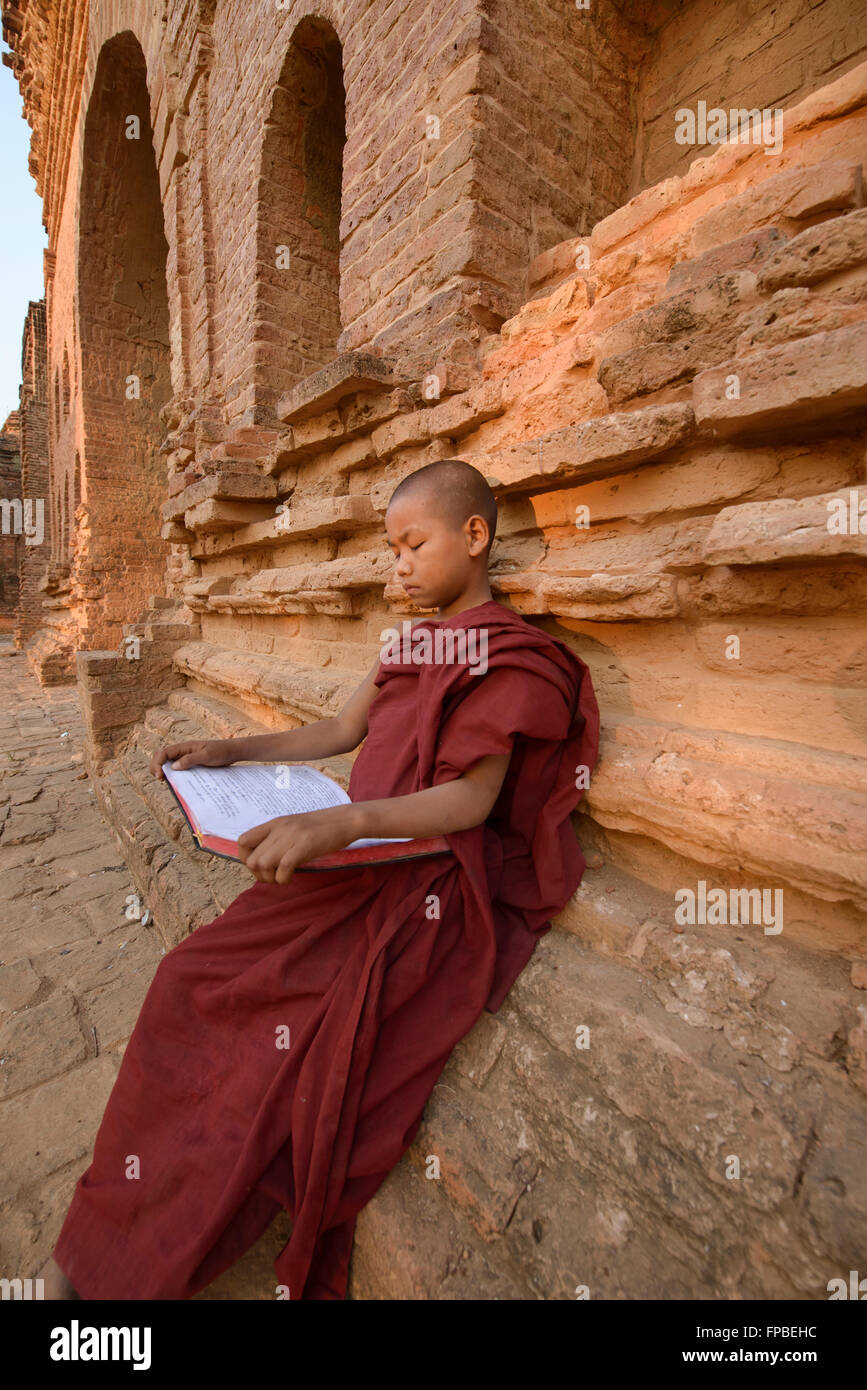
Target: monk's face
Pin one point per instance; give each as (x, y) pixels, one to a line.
(435, 562)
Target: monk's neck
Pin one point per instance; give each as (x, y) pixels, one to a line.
(462, 604)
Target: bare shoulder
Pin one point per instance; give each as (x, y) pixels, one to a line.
(353, 717)
(487, 776)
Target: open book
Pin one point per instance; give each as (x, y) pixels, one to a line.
(220, 803)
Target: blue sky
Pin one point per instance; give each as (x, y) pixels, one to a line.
(22, 238)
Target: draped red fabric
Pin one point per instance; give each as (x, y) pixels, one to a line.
(214, 1123)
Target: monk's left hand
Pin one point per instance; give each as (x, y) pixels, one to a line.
(273, 851)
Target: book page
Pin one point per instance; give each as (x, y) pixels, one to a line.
(226, 801)
(386, 840)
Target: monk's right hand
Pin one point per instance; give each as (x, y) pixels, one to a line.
(211, 752)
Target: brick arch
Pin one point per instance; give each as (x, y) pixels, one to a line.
(123, 328)
(297, 311)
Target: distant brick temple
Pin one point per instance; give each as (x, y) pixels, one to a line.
(40, 573)
(11, 512)
(296, 255)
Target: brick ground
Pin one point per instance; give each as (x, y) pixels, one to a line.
(73, 973)
(73, 969)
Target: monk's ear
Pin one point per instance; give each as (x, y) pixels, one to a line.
(477, 533)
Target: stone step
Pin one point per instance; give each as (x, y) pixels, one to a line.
(224, 879)
(188, 714)
(302, 692)
(243, 527)
(330, 586)
(173, 886)
(183, 885)
(229, 483)
(215, 717)
(811, 381)
(755, 806)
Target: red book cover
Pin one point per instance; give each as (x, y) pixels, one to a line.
(385, 852)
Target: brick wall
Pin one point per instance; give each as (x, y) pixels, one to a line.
(275, 129)
(31, 617)
(735, 55)
(11, 536)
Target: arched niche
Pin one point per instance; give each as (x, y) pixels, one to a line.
(297, 309)
(125, 355)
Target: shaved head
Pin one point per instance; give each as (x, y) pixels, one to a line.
(452, 490)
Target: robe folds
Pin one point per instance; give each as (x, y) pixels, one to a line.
(285, 1051)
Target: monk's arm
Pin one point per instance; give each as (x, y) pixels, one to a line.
(451, 806)
(274, 850)
(322, 738)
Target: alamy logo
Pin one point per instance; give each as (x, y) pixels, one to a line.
(857, 1287)
(76, 1343)
(719, 908)
(715, 126)
(847, 520)
(18, 518)
(22, 1288)
(418, 646)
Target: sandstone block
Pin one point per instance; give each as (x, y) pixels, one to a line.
(612, 597)
(229, 484)
(793, 313)
(676, 1060)
(407, 1239)
(793, 194)
(732, 817)
(817, 378)
(710, 306)
(594, 449)
(215, 515)
(816, 253)
(347, 374)
(748, 252)
(785, 529)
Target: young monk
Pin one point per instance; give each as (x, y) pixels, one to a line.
(377, 972)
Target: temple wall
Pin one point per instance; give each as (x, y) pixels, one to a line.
(667, 393)
(36, 579)
(11, 535)
(293, 191)
(743, 56)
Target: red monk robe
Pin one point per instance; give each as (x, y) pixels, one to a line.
(228, 1128)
